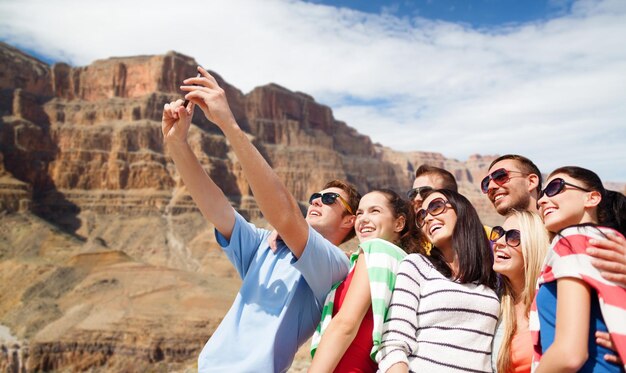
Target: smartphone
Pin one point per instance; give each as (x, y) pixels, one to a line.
(187, 101)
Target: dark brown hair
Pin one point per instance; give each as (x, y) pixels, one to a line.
(448, 180)
(469, 242)
(526, 165)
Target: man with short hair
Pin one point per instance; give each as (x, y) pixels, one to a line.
(283, 291)
(428, 178)
(514, 182)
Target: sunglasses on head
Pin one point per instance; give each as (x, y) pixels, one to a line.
(329, 198)
(411, 194)
(499, 176)
(512, 236)
(436, 207)
(556, 186)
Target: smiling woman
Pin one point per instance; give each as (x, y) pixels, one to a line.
(349, 333)
(444, 308)
(574, 206)
(519, 246)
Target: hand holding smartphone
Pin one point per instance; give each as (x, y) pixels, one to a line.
(187, 101)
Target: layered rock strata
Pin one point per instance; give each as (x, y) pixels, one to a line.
(105, 261)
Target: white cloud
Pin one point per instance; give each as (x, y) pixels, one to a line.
(552, 90)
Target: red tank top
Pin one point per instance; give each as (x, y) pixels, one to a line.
(357, 356)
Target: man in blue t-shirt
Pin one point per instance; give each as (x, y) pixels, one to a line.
(280, 301)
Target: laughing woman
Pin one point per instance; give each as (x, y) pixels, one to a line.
(352, 318)
(520, 246)
(444, 308)
(573, 300)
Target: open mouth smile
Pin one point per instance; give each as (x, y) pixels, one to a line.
(435, 227)
(498, 197)
(548, 210)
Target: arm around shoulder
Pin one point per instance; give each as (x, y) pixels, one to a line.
(609, 256)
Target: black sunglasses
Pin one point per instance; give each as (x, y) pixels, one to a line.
(329, 198)
(556, 186)
(411, 194)
(499, 176)
(436, 207)
(512, 237)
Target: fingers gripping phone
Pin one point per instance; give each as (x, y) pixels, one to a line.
(187, 101)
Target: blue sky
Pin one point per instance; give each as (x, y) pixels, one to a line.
(542, 78)
(475, 13)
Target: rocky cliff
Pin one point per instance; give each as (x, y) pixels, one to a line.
(105, 261)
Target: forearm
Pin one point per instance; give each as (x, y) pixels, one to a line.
(279, 208)
(558, 360)
(609, 256)
(210, 199)
(333, 346)
(569, 351)
(346, 323)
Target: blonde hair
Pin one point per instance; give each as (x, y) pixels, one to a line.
(534, 246)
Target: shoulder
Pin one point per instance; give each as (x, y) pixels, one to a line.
(243, 233)
(242, 224)
(591, 231)
(419, 262)
(317, 241)
(419, 259)
(319, 248)
(384, 247)
(574, 239)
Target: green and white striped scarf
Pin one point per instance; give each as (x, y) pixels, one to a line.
(382, 258)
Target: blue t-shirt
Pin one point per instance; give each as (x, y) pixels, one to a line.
(279, 303)
(546, 308)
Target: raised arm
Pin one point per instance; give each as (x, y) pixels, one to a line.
(346, 323)
(210, 199)
(279, 207)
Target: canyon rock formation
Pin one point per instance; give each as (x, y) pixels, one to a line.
(105, 262)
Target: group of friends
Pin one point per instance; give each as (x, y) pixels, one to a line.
(430, 288)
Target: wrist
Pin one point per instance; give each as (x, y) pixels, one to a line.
(228, 123)
(177, 145)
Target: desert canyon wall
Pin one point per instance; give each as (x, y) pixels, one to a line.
(104, 259)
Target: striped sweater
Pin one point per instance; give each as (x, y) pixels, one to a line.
(567, 257)
(382, 258)
(435, 324)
